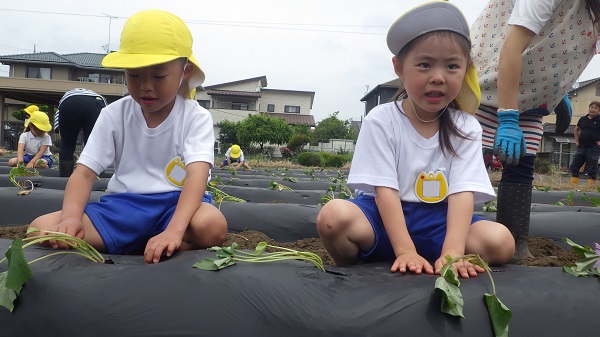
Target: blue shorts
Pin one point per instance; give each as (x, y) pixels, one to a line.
(231, 160)
(126, 221)
(27, 158)
(426, 225)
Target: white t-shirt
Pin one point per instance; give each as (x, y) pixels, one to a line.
(390, 152)
(241, 157)
(562, 48)
(142, 156)
(33, 143)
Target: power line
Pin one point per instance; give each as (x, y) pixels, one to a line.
(244, 24)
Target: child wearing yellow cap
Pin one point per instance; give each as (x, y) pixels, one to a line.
(235, 154)
(161, 144)
(34, 144)
(417, 166)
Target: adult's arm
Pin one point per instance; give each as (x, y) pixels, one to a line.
(509, 72)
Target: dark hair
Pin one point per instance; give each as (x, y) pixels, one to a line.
(447, 126)
(593, 8)
(596, 103)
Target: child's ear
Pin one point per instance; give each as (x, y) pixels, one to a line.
(187, 70)
(397, 66)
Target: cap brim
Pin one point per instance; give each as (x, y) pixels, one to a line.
(469, 96)
(120, 60)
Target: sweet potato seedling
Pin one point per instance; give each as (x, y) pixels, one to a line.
(228, 256)
(452, 300)
(19, 272)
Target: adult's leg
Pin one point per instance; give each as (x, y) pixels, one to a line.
(70, 121)
(592, 165)
(344, 230)
(90, 112)
(515, 188)
(578, 161)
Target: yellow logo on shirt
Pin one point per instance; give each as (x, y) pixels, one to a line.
(175, 171)
(431, 187)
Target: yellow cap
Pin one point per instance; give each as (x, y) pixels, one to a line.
(40, 120)
(235, 152)
(31, 109)
(153, 37)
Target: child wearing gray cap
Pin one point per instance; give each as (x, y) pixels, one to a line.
(417, 167)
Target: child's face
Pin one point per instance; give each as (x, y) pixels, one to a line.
(154, 88)
(36, 132)
(432, 72)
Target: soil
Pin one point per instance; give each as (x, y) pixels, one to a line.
(545, 252)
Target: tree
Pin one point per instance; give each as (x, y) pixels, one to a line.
(333, 128)
(263, 129)
(228, 132)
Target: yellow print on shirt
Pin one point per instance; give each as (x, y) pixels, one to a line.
(431, 187)
(175, 171)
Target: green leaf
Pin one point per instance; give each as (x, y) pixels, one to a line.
(586, 263)
(573, 271)
(7, 295)
(260, 247)
(18, 269)
(449, 273)
(452, 301)
(499, 314)
(206, 264)
(222, 263)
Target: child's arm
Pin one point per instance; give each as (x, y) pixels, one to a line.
(190, 200)
(20, 152)
(390, 209)
(37, 156)
(77, 194)
(460, 213)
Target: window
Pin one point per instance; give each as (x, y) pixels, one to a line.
(204, 103)
(270, 107)
(239, 106)
(293, 109)
(39, 72)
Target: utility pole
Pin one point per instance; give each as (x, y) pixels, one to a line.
(110, 17)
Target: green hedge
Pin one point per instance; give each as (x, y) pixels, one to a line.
(323, 159)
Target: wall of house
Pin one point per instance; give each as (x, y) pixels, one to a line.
(243, 86)
(282, 98)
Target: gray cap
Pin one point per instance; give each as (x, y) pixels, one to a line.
(429, 17)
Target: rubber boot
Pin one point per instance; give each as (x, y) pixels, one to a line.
(65, 167)
(514, 205)
(591, 183)
(574, 180)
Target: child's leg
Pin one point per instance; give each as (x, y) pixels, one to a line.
(207, 228)
(246, 165)
(12, 162)
(51, 221)
(492, 241)
(344, 230)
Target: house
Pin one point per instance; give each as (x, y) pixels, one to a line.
(234, 101)
(558, 149)
(43, 78)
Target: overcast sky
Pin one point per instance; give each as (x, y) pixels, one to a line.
(335, 48)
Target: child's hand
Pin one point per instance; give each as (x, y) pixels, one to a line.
(167, 241)
(463, 268)
(73, 227)
(411, 261)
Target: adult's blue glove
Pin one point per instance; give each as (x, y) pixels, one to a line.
(509, 143)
